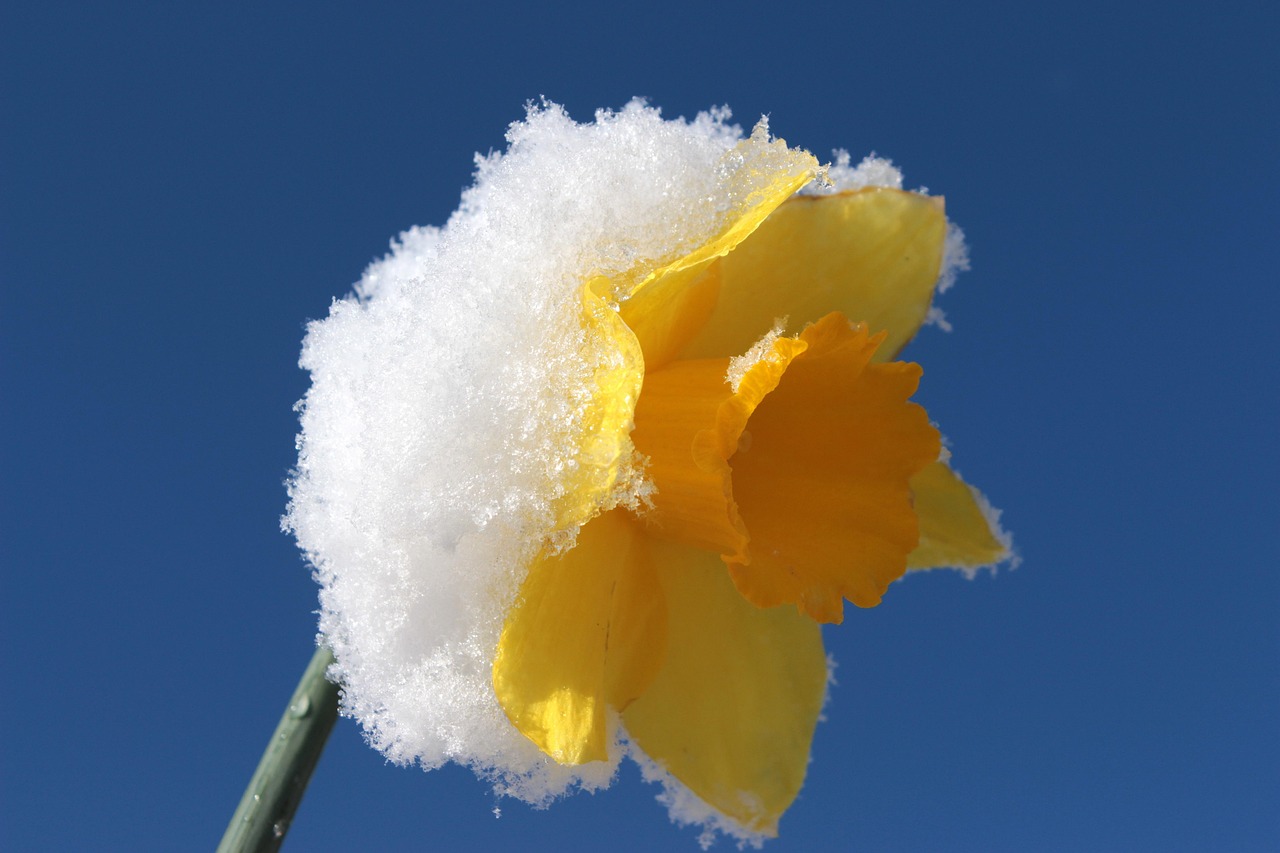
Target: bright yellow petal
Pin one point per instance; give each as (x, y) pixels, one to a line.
(605, 454)
(587, 633)
(732, 712)
(872, 254)
(954, 530)
(667, 306)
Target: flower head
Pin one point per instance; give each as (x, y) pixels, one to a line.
(582, 472)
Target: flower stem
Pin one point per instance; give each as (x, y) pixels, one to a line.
(268, 804)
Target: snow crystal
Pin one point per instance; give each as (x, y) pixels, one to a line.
(688, 809)
(873, 171)
(955, 258)
(1010, 557)
(761, 350)
(935, 316)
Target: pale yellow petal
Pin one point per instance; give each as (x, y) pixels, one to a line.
(955, 532)
(667, 306)
(872, 254)
(733, 709)
(587, 633)
(602, 466)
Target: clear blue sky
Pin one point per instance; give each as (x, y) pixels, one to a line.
(183, 186)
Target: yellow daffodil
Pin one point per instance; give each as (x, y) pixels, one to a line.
(582, 471)
(752, 385)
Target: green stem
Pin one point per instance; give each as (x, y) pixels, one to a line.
(268, 804)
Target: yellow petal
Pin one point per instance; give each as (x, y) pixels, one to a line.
(732, 712)
(672, 308)
(602, 466)
(872, 254)
(954, 530)
(587, 633)
(667, 306)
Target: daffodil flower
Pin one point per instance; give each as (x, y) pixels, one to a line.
(733, 454)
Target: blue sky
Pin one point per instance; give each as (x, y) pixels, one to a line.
(181, 189)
